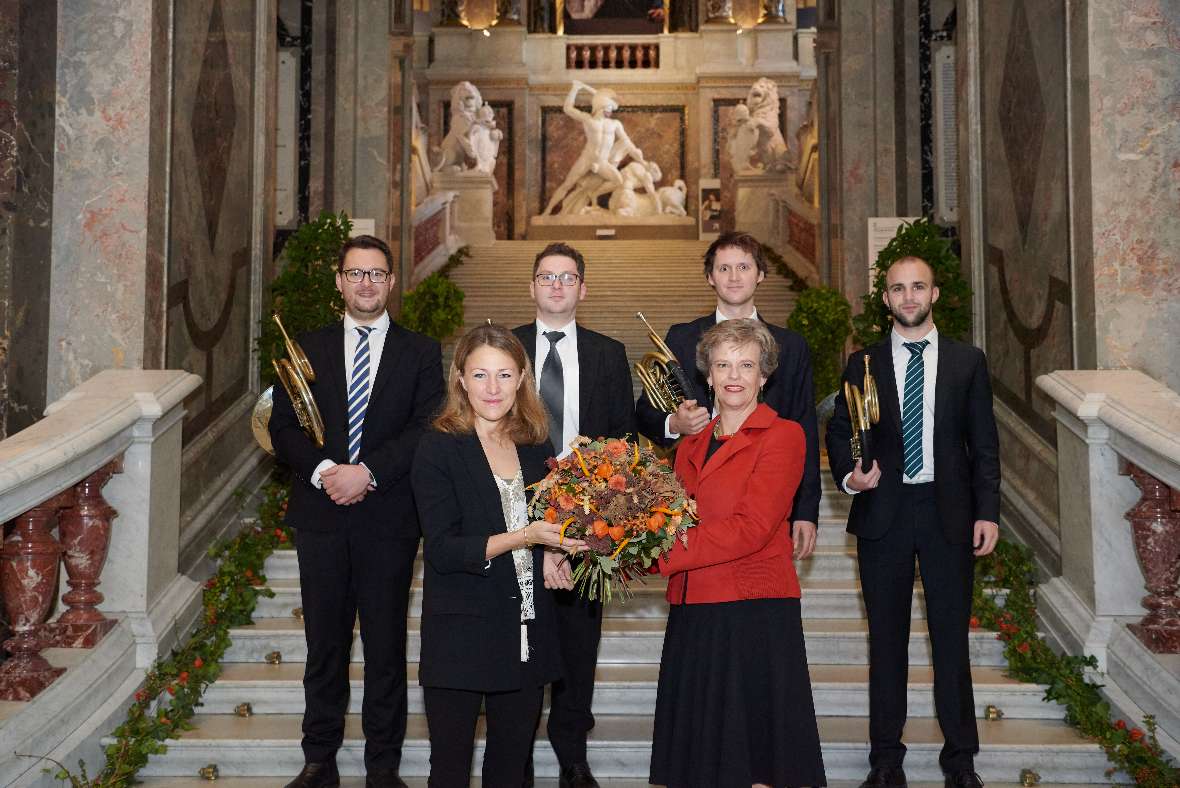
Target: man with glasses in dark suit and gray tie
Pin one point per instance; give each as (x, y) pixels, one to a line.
(356, 527)
(585, 381)
(932, 491)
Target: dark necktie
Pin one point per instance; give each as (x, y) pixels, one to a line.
(358, 393)
(911, 407)
(553, 388)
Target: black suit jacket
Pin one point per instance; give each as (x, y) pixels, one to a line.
(406, 392)
(966, 443)
(605, 406)
(789, 391)
(471, 611)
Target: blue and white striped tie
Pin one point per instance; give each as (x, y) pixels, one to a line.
(911, 407)
(358, 393)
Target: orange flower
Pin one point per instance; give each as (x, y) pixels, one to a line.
(567, 502)
(183, 677)
(551, 515)
(1022, 648)
(1136, 734)
(656, 522)
(974, 622)
(617, 532)
(616, 448)
(604, 471)
(198, 662)
(1120, 724)
(600, 528)
(618, 482)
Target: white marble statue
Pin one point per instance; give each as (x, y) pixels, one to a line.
(458, 154)
(485, 139)
(421, 180)
(628, 201)
(756, 143)
(607, 145)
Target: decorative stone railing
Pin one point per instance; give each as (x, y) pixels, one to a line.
(794, 229)
(1120, 538)
(434, 234)
(102, 469)
(605, 55)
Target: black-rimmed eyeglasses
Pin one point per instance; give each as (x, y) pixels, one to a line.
(547, 280)
(357, 275)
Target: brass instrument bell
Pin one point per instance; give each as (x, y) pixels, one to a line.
(864, 410)
(209, 772)
(660, 373)
(295, 373)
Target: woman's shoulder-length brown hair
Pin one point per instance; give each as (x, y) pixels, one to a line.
(527, 422)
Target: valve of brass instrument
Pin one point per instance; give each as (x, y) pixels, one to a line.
(663, 379)
(864, 410)
(295, 374)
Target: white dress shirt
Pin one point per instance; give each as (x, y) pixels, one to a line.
(376, 346)
(901, 358)
(719, 318)
(567, 351)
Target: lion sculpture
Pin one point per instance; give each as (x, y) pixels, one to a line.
(761, 147)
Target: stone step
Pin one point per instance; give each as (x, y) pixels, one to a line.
(839, 691)
(630, 641)
(830, 562)
(620, 746)
(821, 599)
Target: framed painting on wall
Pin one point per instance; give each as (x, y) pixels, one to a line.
(711, 213)
(612, 17)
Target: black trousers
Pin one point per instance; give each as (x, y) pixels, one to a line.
(359, 569)
(511, 719)
(887, 581)
(579, 626)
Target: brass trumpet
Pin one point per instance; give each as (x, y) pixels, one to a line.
(661, 374)
(294, 373)
(864, 410)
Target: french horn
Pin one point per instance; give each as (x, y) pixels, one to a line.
(295, 373)
(661, 374)
(864, 410)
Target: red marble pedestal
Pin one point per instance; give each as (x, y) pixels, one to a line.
(85, 538)
(1155, 524)
(28, 578)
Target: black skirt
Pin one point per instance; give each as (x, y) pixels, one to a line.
(734, 704)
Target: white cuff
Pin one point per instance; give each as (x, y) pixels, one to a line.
(324, 465)
(668, 428)
(372, 478)
(844, 485)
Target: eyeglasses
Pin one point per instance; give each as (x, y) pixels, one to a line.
(357, 275)
(547, 280)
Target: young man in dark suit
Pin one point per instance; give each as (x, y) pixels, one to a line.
(585, 382)
(356, 528)
(735, 264)
(932, 490)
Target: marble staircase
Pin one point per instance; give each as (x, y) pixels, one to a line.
(264, 748)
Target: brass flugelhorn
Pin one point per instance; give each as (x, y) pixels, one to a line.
(864, 410)
(661, 374)
(294, 373)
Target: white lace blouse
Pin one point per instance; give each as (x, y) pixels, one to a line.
(516, 516)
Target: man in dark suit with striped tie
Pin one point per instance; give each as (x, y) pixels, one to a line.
(356, 527)
(932, 491)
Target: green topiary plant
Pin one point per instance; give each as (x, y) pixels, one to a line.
(778, 264)
(435, 306)
(822, 315)
(952, 312)
(304, 293)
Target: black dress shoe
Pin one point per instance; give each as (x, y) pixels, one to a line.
(577, 776)
(885, 775)
(383, 778)
(964, 779)
(317, 775)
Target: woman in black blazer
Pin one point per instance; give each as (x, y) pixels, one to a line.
(488, 628)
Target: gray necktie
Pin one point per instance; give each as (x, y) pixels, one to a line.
(553, 389)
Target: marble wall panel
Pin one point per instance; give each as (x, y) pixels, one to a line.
(1134, 161)
(660, 131)
(212, 192)
(1025, 223)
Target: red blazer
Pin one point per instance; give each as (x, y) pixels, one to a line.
(741, 548)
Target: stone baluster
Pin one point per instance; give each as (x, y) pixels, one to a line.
(1155, 530)
(774, 12)
(644, 55)
(598, 57)
(655, 55)
(719, 12)
(626, 56)
(85, 538)
(585, 56)
(616, 56)
(571, 57)
(28, 578)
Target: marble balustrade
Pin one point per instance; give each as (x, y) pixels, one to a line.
(91, 488)
(434, 234)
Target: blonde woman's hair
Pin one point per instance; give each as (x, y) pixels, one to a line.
(739, 332)
(527, 422)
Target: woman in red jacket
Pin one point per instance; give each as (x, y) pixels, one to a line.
(734, 705)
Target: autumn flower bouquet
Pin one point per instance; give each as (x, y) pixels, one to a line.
(623, 501)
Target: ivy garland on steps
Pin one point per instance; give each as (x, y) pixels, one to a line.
(172, 689)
